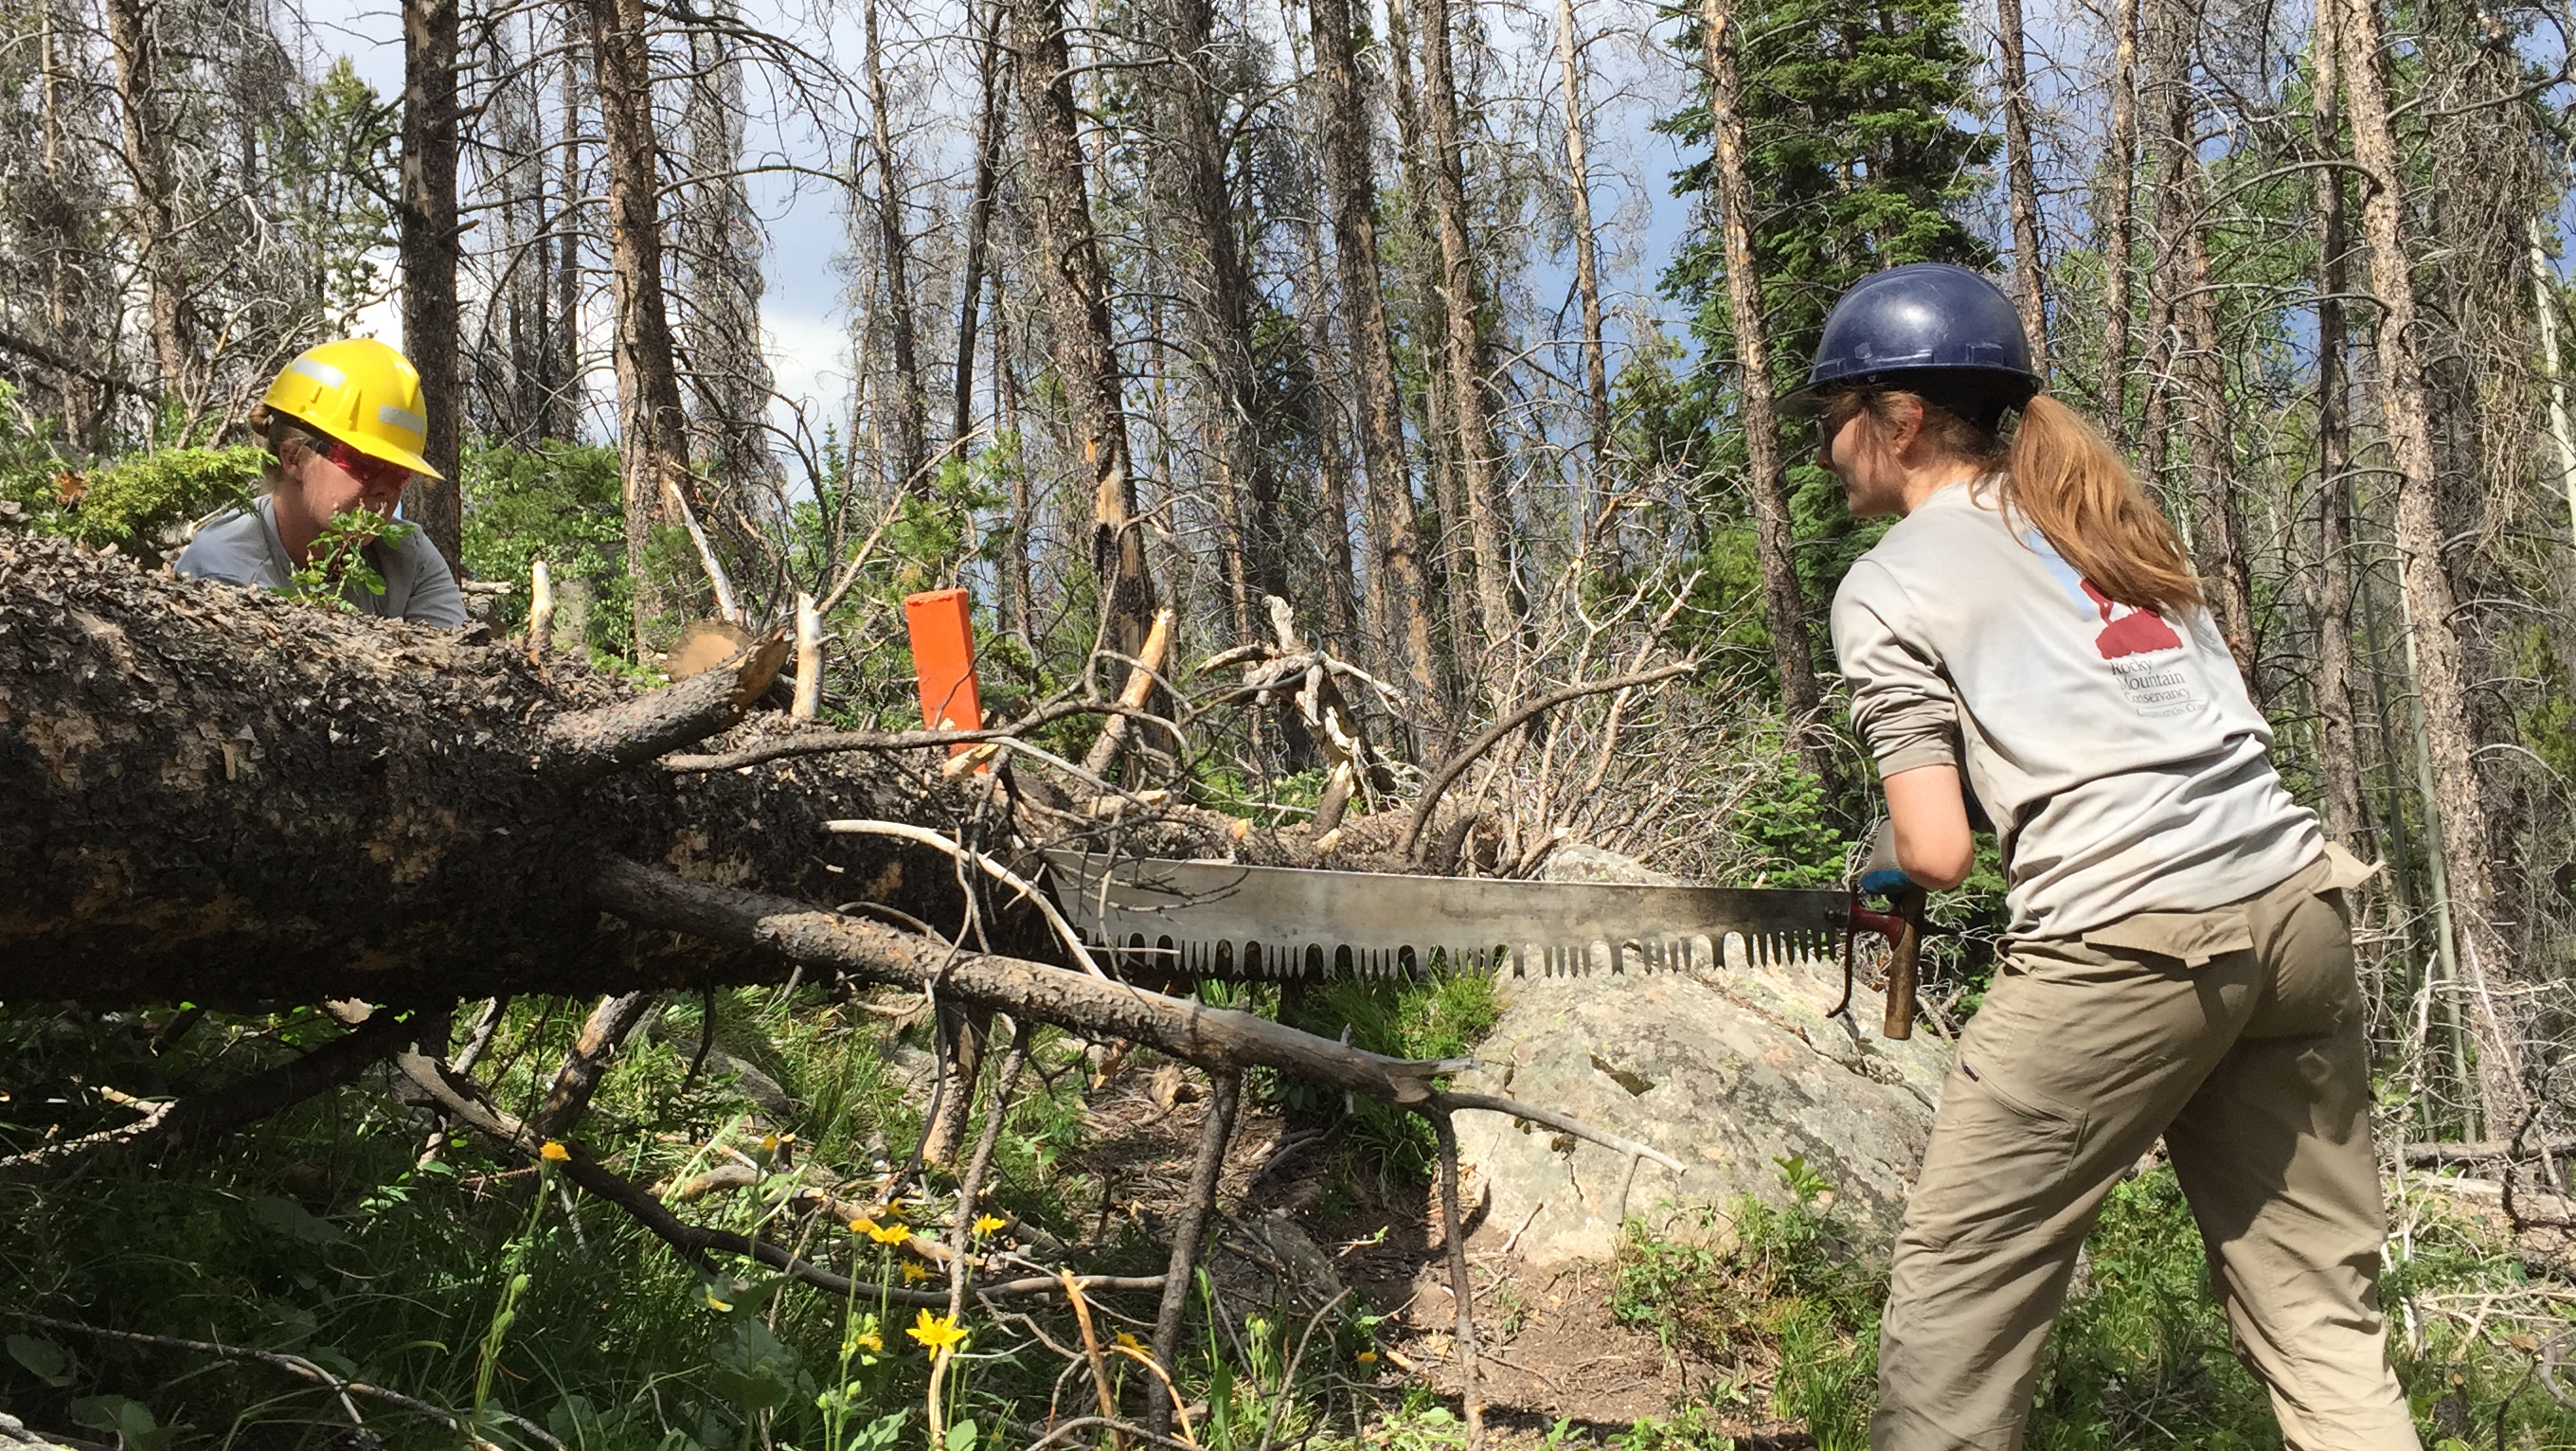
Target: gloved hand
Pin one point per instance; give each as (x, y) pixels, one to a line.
(1879, 874)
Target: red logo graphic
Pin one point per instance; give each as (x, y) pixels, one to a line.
(2139, 632)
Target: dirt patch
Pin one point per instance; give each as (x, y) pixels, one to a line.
(1551, 1351)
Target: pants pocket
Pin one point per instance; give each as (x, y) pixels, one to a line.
(2000, 1161)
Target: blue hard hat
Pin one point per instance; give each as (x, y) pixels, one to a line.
(1926, 327)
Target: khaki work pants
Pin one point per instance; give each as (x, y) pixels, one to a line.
(2237, 1035)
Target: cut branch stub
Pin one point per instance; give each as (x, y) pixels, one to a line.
(592, 743)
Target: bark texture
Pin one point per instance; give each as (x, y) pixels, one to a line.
(2457, 800)
(2022, 185)
(1462, 353)
(1072, 281)
(429, 256)
(232, 798)
(2330, 593)
(653, 432)
(134, 45)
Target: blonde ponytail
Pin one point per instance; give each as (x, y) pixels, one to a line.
(2063, 476)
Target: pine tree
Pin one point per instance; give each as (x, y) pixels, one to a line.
(1857, 159)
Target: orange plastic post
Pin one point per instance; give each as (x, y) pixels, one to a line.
(943, 661)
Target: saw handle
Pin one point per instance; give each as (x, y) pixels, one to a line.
(1903, 928)
(1904, 962)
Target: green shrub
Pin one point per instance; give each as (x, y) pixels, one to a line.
(143, 504)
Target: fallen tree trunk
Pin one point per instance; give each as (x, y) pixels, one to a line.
(224, 797)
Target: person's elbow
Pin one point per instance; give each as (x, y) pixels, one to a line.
(1934, 843)
(1939, 864)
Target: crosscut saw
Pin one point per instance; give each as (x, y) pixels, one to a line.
(1232, 921)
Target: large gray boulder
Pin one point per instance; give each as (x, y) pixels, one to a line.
(1728, 1071)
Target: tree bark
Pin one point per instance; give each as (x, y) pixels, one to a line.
(564, 413)
(429, 258)
(894, 244)
(1072, 281)
(2457, 802)
(2022, 183)
(1784, 609)
(2330, 579)
(653, 433)
(1219, 286)
(2119, 162)
(1399, 589)
(2218, 532)
(1587, 272)
(1332, 452)
(231, 798)
(979, 227)
(135, 48)
(1462, 353)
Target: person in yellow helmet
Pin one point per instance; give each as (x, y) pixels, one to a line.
(344, 425)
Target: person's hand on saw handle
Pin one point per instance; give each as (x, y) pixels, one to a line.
(1924, 845)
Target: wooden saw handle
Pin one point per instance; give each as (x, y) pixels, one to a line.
(1904, 964)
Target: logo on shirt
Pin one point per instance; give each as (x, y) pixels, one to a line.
(2126, 629)
(2141, 647)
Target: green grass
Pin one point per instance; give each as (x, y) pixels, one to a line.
(1788, 1316)
(470, 1280)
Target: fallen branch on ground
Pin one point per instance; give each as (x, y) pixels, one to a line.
(302, 1369)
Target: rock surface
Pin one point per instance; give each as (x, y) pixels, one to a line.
(1726, 1071)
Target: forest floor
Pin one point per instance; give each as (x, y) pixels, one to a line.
(317, 1235)
(1555, 1359)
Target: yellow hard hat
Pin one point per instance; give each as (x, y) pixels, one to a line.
(362, 393)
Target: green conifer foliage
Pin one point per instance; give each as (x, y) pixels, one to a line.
(1862, 156)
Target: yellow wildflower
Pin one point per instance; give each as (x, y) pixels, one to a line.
(885, 1233)
(986, 1224)
(896, 1209)
(715, 1304)
(1128, 1338)
(913, 1271)
(863, 1226)
(936, 1331)
(554, 1153)
(1366, 1357)
(869, 1341)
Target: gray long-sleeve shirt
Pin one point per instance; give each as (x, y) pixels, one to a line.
(2117, 752)
(243, 548)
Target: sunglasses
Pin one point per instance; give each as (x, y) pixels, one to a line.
(367, 469)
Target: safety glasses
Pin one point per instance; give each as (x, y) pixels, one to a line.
(369, 470)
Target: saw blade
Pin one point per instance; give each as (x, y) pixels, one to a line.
(1232, 921)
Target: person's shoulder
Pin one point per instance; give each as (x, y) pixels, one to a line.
(1962, 517)
(232, 547)
(431, 596)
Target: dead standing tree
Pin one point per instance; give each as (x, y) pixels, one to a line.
(1399, 590)
(1072, 281)
(653, 428)
(1784, 611)
(2457, 803)
(429, 243)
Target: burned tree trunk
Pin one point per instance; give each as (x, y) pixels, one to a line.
(230, 798)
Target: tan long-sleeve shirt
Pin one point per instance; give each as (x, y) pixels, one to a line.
(2116, 750)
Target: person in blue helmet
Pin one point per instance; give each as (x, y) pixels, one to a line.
(2179, 961)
